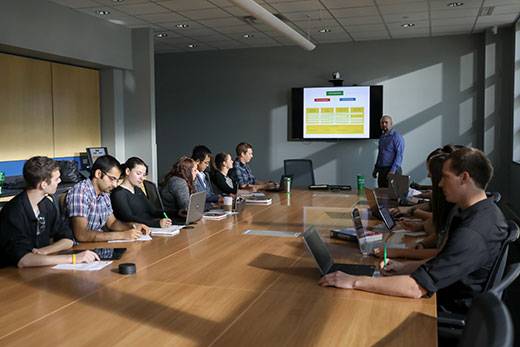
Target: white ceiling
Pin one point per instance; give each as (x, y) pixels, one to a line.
(219, 24)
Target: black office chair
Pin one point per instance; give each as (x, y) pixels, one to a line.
(300, 170)
(450, 324)
(152, 192)
(489, 323)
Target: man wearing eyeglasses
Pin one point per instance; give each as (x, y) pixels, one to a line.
(90, 209)
(30, 221)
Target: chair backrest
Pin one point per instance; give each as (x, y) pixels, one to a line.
(300, 170)
(510, 277)
(499, 266)
(488, 323)
(497, 197)
(153, 194)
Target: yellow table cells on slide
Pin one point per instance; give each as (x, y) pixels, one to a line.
(335, 129)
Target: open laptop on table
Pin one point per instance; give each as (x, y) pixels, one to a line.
(321, 254)
(195, 209)
(399, 186)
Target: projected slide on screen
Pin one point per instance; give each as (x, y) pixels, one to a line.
(336, 112)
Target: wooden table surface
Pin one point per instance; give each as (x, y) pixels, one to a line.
(213, 286)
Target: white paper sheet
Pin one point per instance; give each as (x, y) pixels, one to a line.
(95, 266)
(170, 231)
(142, 238)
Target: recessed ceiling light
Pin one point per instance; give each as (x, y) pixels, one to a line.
(455, 4)
(325, 30)
(192, 45)
(161, 35)
(102, 12)
(407, 25)
(118, 0)
(248, 36)
(182, 26)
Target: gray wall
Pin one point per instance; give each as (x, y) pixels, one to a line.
(431, 88)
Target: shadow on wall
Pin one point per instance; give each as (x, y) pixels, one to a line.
(430, 89)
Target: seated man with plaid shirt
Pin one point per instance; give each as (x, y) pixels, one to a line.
(90, 209)
(241, 173)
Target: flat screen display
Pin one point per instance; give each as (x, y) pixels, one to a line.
(329, 113)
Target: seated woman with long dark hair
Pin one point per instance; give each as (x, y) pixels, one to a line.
(177, 186)
(129, 201)
(222, 183)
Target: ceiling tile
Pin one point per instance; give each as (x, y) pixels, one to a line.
(360, 20)
(451, 28)
(244, 28)
(409, 7)
(218, 22)
(443, 5)
(454, 13)
(396, 2)
(334, 4)
(355, 12)
(370, 36)
(158, 18)
(417, 25)
(236, 11)
(498, 19)
(298, 6)
(208, 13)
(191, 26)
(126, 2)
(316, 24)
(180, 5)
(454, 21)
(222, 3)
(147, 8)
(76, 3)
(308, 15)
(365, 28)
(405, 18)
(507, 9)
(401, 35)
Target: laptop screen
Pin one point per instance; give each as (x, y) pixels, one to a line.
(318, 249)
(387, 217)
(358, 224)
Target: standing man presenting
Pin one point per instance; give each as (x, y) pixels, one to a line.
(390, 156)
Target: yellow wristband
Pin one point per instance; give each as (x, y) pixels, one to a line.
(74, 259)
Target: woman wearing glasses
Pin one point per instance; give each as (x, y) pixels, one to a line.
(129, 201)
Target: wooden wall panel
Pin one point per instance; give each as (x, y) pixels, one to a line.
(25, 108)
(75, 93)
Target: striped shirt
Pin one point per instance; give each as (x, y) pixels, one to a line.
(82, 201)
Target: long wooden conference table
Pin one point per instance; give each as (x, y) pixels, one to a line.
(215, 286)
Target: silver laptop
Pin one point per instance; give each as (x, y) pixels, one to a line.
(398, 187)
(361, 232)
(378, 210)
(196, 207)
(321, 254)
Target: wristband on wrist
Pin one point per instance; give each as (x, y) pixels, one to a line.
(74, 259)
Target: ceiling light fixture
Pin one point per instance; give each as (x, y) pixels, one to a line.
(248, 36)
(182, 26)
(161, 35)
(268, 18)
(325, 30)
(102, 12)
(407, 25)
(118, 0)
(455, 4)
(192, 45)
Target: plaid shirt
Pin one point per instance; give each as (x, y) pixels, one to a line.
(242, 174)
(82, 201)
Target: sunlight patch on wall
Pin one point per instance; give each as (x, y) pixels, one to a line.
(409, 94)
(415, 152)
(467, 77)
(465, 116)
(490, 60)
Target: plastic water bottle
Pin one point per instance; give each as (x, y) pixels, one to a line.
(361, 184)
(2, 180)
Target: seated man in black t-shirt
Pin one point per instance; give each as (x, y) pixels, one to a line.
(475, 235)
(30, 220)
